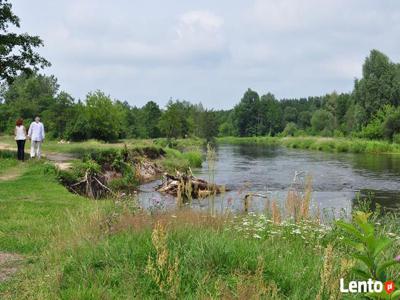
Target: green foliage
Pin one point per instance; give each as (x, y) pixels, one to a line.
(290, 129)
(369, 248)
(176, 160)
(321, 121)
(379, 85)
(104, 119)
(174, 123)
(369, 111)
(391, 124)
(17, 49)
(151, 119)
(208, 125)
(246, 114)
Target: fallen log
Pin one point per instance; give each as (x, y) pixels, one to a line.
(187, 186)
(92, 185)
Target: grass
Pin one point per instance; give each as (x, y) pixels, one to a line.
(6, 164)
(31, 210)
(76, 248)
(176, 160)
(186, 152)
(320, 144)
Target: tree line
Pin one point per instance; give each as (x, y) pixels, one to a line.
(370, 111)
(98, 116)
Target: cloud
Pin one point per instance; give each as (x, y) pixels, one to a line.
(210, 51)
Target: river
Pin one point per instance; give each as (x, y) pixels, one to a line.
(269, 170)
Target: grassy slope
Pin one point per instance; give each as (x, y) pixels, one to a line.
(319, 143)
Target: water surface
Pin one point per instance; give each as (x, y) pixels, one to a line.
(268, 170)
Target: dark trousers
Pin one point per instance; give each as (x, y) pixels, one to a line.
(21, 149)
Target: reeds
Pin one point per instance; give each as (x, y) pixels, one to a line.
(163, 269)
(331, 274)
(296, 206)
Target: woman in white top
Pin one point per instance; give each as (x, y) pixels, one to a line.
(20, 137)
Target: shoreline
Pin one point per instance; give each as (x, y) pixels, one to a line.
(333, 145)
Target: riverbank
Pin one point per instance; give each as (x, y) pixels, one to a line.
(64, 246)
(319, 144)
(69, 247)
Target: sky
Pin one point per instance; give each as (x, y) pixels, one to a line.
(209, 51)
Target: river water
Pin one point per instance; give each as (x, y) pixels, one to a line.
(337, 178)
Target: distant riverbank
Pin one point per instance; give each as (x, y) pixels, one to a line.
(319, 144)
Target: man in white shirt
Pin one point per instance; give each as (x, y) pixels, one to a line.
(36, 135)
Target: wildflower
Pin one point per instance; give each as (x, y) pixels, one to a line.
(256, 236)
(397, 258)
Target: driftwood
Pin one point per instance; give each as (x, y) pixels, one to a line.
(186, 186)
(91, 186)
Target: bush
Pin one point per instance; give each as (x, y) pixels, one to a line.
(322, 120)
(392, 124)
(290, 129)
(396, 138)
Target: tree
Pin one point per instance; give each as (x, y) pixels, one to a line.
(151, 118)
(272, 114)
(290, 114)
(304, 119)
(290, 129)
(208, 125)
(28, 96)
(59, 114)
(379, 85)
(246, 114)
(322, 120)
(16, 50)
(173, 122)
(391, 124)
(103, 117)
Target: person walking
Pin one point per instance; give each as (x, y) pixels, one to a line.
(36, 135)
(20, 138)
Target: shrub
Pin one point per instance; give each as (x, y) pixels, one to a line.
(290, 129)
(391, 125)
(396, 138)
(322, 120)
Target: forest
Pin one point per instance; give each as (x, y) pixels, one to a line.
(370, 111)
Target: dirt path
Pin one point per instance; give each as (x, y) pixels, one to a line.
(9, 264)
(12, 173)
(61, 160)
(6, 147)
